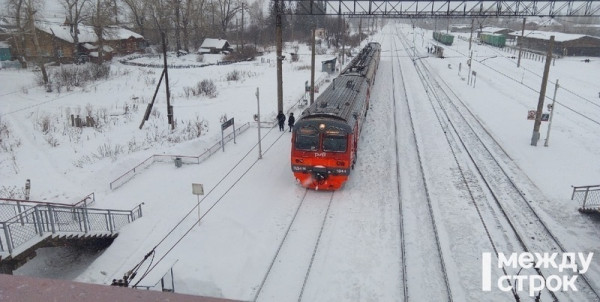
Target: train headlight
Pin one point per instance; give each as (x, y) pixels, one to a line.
(299, 160)
(340, 163)
(322, 127)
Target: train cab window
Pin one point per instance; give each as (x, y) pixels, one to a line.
(334, 141)
(307, 138)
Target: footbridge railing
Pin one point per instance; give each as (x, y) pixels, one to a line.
(35, 222)
(588, 197)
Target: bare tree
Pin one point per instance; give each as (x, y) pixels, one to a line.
(75, 10)
(101, 13)
(190, 11)
(198, 18)
(32, 7)
(139, 10)
(258, 21)
(176, 9)
(227, 11)
(160, 12)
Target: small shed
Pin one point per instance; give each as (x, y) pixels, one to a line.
(215, 46)
(494, 30)
(5, 51)
(328, 65)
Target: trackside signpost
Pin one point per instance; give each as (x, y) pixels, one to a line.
(198, 189)
(224, 126)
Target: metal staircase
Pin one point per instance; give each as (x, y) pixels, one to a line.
(35, 223)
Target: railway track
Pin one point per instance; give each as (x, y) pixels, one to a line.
(576, 108)
(290, 267)
(494, 170)
(414, 285)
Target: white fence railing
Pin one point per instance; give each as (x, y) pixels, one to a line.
(186, 159)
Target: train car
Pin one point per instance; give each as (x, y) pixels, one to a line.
(493, 39)
(325, 137)
(443, 38)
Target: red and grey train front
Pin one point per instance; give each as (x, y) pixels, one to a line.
(322, 152)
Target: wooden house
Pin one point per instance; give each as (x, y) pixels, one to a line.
(57, 42)
(215, 46)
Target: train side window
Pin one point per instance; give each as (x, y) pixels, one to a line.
(307, 138)
(334, 143)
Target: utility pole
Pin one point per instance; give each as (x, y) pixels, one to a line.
(470, 63)
(258, 120)
(344, 55)
(538, 115)
(521, 43)
(278, 37)
(359, 31)
(551, 114)
(242, 30)
(312, 69)
(169, 107)
(471, 37)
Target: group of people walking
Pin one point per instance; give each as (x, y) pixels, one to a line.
(281, 120)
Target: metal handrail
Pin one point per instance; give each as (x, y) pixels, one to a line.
(91, 196)
(150, 160)
(46, 218)
(587, 191)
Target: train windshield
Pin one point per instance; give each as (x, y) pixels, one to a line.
(307, 138)
(334, 141)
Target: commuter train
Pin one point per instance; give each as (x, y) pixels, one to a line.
(325, 137)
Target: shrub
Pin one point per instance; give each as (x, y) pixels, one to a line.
(12, 192)
(208, 88)
(45, 124)
(205, 87)
(8, 142)
(69, 76)
(233, 75)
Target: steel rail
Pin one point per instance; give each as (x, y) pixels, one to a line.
(429, 203)
(487, 179)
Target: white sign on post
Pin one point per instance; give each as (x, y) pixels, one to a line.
(198, 189)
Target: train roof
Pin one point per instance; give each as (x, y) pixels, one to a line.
(337, 101)
(360, 63)
(340, 101)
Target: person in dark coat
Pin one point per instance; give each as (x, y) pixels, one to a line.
(281, 120)
(291, 121)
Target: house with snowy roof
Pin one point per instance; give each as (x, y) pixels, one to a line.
(564, 44)
(57, 42)
(215, 46)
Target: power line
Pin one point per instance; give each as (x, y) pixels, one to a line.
(192, 210)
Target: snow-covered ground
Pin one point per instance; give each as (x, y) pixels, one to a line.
(249, 203)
